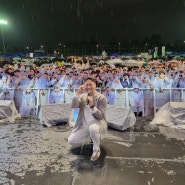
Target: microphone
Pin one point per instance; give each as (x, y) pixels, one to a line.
(88, 94)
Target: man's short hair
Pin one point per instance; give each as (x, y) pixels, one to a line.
(90, 78)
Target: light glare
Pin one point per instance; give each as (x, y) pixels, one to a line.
(3, 22)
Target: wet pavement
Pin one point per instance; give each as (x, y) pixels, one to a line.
(31, 154)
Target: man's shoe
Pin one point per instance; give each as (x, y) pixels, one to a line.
(95, 155)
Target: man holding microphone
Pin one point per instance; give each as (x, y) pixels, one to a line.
(91, 118)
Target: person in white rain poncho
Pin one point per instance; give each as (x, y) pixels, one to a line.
(160, 83)
(28, 103)
(110, 95)
(147, 86)
(20, 83)
(3, 82)
(56, 96)
(6, 94)
(137, 101)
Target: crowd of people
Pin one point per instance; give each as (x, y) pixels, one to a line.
(19, 82)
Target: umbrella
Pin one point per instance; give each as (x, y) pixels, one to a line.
(131, 62)
(154, 62)
(93, 63)
(28, 64)
(114, 61)
(173, 61)
(67, 64)
(45, 64)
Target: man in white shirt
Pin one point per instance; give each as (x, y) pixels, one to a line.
(91, 118)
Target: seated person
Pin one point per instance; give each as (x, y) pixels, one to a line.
(137, 101)
(6, 94)
(56, 96)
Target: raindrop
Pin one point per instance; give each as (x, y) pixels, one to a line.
(91, 12)
(32, 20)
(23, 5)
(134, 19)
(151, 17)
(112, 13)
(101, 4)
(51, 9)
(71, 6)
(127, 30)
(79, 13)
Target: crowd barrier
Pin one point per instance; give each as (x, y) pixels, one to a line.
(152, 98)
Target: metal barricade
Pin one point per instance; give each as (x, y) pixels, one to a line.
(157, 99)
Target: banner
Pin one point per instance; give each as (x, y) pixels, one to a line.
(163, 51)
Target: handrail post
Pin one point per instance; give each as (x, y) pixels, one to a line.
(154, 93)
(127, 98)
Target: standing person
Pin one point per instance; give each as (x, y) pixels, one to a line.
(75, 81)
(4, 82)
(28, 103)
(162, 96)
(56, 96)
(91, 118)
(110, 95)
(126, 82)
(21, 83)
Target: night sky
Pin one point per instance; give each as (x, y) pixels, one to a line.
(35, 22)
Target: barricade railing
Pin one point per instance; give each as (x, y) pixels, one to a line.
(153, 96)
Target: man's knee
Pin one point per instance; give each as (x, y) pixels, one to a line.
(94, 128)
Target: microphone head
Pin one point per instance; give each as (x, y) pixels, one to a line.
(88, 93)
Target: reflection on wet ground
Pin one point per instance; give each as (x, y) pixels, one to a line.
(31, 154)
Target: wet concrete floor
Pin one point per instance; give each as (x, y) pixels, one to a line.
(31, 154)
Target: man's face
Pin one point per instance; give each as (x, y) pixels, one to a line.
(85, 75)
(107, 90)
(90, 86)
(46, 76)
(58, 76)
(126, 77)
(17, 73)
(162, 75)
(76, 76)
(31, 72)
(136, 90)
(4, 80)
(23, 76)
(28, 91)
(56, 89)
